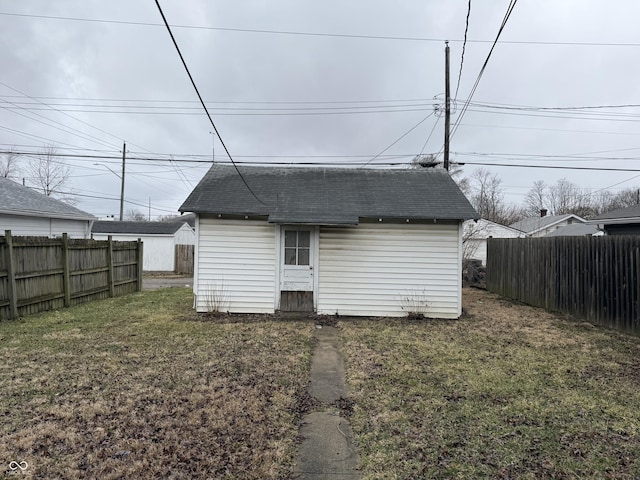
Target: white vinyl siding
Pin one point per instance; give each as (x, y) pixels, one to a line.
(158, 251)
(185, 235)
(368, 269)
(23, 225)
(237, 260)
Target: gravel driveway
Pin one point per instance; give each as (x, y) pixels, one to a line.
(156, 282)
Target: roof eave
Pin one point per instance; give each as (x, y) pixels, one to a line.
(33, 213)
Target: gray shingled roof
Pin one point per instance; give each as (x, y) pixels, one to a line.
(629, 212)
(532, 224)
(574, 230)
(137, 228)
(16, 199)
(330, 196)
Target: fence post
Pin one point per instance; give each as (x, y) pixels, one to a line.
(11, 278)
(66, 283)
(110, 264)
(139, 264)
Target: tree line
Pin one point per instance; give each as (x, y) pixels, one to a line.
(485, 191)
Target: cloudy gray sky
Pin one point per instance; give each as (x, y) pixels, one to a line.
(324, 81)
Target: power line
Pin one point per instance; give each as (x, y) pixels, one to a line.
(464, 44)
(398, 139)
(248, 102)
(61, 111)
(325, 34)
(286, 109)
(202, 101)
(429, 136)
(256, 113)
(510, 8)
(599, 169)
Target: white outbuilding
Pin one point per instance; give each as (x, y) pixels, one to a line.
(27, 212)
(329, 240)
(159, 240)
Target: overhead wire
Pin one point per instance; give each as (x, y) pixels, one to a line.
(397, 140)
(184, 63)
(510, 8)
(464, 44)
(325, 34)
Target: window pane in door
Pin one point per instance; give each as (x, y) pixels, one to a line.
(304, 238)
(303, 256)
(290, 238)
(290, 256)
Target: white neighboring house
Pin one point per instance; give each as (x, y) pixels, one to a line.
(329, 240)
(475, 234)
(27, 212)
(577, 230)
(545, 224)
(159, 240)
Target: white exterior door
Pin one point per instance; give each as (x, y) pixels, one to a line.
(297, 257)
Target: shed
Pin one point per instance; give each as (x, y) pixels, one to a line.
(27, 212)
(329, 240)
(623, 221)
(159, 239)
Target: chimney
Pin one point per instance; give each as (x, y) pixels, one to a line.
(543, 212)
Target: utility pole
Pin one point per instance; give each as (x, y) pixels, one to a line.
(447, 106)
(124, 155)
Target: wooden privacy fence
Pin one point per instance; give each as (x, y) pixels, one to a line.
(40, 273)
(184, 259)
(595, 278)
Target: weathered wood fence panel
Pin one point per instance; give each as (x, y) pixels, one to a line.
(40, 273)
(184, 259)
(595, 278)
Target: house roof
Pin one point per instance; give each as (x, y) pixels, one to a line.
(534, 224)
(621, 215)
(137, 228)
(574, 230)
(330, 196)
(16, 199)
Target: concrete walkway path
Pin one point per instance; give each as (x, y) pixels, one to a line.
(327, 450)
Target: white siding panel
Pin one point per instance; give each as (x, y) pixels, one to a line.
(238, 258)
(366, 270)
(73, 228)
(158, 251)
(185, 236)
(43, 226)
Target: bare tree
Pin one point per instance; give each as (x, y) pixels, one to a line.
(487, 195)
(51, 175)
(625, 198)
(561, 198)
(536, 199)
(566, 197)
(134, 215)
(9, 166)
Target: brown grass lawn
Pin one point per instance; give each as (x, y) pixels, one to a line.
(138, 387)
(508, 391)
